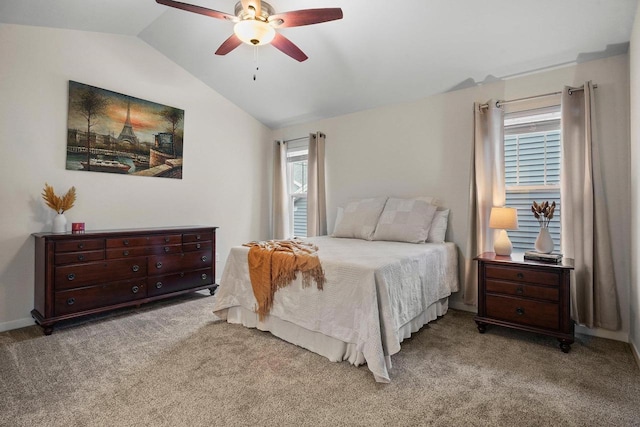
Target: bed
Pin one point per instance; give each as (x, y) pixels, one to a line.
(377, 293)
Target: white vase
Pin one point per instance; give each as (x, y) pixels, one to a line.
(544, 242)
(59, 223)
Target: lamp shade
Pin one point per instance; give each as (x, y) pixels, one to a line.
(504, 218)
(254, 32)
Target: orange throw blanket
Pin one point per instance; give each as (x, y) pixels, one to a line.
(273, 265)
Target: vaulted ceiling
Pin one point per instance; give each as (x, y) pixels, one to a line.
(380, 53)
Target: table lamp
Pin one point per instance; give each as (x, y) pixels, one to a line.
(503, 219)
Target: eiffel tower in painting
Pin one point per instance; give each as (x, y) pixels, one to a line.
(127, 135)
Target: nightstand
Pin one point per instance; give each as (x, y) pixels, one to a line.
(526, 295)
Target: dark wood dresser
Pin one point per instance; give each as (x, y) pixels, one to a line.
(526, 295)
(96, 271)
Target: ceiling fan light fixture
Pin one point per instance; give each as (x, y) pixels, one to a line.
(254, 32)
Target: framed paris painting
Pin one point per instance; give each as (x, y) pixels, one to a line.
(116, 133)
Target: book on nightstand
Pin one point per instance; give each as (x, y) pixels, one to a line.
(537, 256)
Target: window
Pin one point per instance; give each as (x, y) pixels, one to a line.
(532, 170)
(297, 154)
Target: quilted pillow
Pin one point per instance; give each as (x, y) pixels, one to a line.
(359, 218)
(405, 220)
(438, 226)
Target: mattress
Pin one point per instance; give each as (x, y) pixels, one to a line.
(376, 294)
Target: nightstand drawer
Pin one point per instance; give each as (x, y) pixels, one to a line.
(522, 275)
(523, 311)
(521, 290)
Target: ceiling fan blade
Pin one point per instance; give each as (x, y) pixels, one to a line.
(197, 9)
(285, 45)
(256, 4)
(229, 44)
(298, 18)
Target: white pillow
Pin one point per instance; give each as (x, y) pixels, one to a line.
(405, 220)
(359, 218)
(438, 226)
(339, 214)
(428, 199)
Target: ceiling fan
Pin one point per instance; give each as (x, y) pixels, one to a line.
(256, 23)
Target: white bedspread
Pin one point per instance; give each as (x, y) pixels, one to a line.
(372, 290)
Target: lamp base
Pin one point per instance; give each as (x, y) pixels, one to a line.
(502, 245)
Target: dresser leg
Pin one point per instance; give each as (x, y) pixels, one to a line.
(482, 327)
(48, 330)
(565, 345)
(212, 290)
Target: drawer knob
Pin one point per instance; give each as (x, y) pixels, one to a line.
(71, 301)
(125, 253)
(182, 274)
(198, 237)
(80, 257)
(135, 268)
(80, 245)
(198, 245)
(125, 242)
(135, 289)
(520, 276)
(166, 249)
(519, 290)
(203, 277)
(166, 239)
(158, 285)
(519, 311)
(158, 264)
(71, 276)
(204, 258)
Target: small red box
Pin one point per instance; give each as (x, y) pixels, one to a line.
(77, 227)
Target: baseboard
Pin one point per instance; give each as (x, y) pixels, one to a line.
(16, 324)
(635, 352)
(459, 305)
(603, 333)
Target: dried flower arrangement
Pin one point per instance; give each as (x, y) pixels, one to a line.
(59, 204)
(543, 212)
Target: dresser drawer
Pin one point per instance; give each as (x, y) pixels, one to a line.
(76, 257)
(79, 245)
(81, 299)
(518, 289)
(142, 251)
(165, 264)
(159, 285)
(132, 252)
(523, 311)
(77, 275)
(196, 237)
(522, 275)
(188, 247)
(127, 242)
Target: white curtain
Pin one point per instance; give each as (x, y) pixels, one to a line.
(280, 213)
(486, 189)
(585, 226)
(316, 195)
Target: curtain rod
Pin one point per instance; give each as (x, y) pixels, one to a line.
(301, 138)
(295, 139)
(501, 103)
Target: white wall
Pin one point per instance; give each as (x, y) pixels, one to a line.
(424, 148)
(225, 177)
(634, 60)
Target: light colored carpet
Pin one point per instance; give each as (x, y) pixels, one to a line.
(168, 364)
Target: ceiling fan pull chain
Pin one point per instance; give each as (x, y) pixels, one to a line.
(255, 58)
